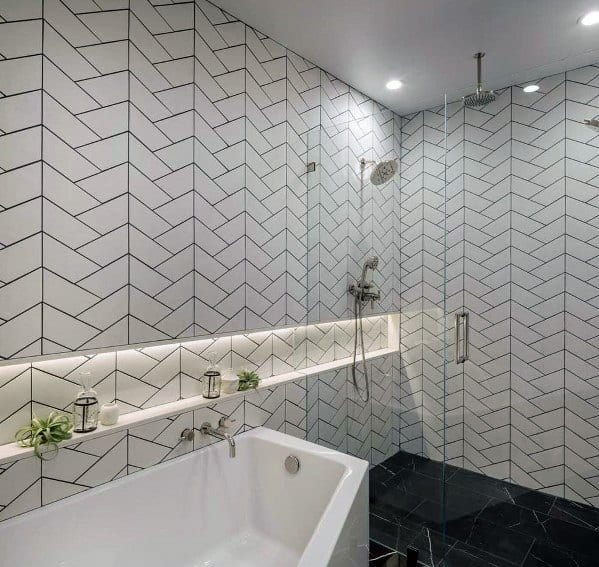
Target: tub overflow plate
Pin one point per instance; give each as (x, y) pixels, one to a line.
(292, 464)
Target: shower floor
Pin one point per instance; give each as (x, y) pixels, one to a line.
(490, 523)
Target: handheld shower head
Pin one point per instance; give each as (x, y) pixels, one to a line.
(383, 171)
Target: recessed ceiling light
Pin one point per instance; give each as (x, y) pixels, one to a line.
(590, 19)
(393, 84)
(531, 88)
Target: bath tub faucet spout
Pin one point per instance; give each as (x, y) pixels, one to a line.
(219, 433)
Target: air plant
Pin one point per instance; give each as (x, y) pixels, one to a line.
(248, 379)
(44, 434)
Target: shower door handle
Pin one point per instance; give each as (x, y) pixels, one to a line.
(462, 322)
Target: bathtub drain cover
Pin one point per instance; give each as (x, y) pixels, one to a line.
(292, 464)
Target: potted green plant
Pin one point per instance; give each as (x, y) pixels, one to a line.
(44, 434)
(248, 379)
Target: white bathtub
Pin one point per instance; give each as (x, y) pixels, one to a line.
(208, 510)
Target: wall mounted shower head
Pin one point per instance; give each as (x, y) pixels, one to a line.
(383, 171)
(480, 97)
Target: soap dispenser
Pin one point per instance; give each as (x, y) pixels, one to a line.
(85, 406)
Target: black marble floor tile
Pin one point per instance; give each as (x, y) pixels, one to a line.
(376, 550)
(517, 518)
(471, 520)
(576, 513)
(543, 554)
(465, 556)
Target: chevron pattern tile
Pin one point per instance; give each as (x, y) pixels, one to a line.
(20, 180)
(15, 399)
(359, 416)
(219, 171)
(161, 195)
(487, 286)
(383, 443)
(148, 377)
(196, 356)
(411, 217)
(266, 181)
(537, 286)
(582, 344)
(332, 208)
(158, 441)
(332, 406)
(384, 219)
(85, 152)
(84, 465)
(20, 487)
(296, 408)
(303, 120)
(55, 383)
(454, 280)
(433, 279)
(266, 408)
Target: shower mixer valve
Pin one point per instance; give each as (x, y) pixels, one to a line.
(365, 292)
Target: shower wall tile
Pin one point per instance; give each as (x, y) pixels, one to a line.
(411, 222)
(85, 152)
(84, 465)
(20, 182)
(582, 344)
(161, 192)
(454, 281)
(537, 286)
(303, 123)
(383, 443)
(158, 441)
(219, 171)
(433, 283)
(487, 286)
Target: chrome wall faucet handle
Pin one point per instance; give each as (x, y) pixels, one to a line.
(225, 421)
(187, 435)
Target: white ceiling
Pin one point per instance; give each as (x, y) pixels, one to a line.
(428, 44)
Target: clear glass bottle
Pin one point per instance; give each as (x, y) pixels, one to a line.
(85, 407)
(211, 381)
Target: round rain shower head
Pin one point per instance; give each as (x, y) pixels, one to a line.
(383, 171)
(593, 124)
(480, 97)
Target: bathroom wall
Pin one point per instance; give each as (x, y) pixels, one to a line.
(521, 247)
(153, 174)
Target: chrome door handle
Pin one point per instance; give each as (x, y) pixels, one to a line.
(462, 320)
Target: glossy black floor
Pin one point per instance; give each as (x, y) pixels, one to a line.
(489, 522)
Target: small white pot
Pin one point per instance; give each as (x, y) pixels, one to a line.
(109, 413)
(229, 382)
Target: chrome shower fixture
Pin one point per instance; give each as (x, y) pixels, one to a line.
(480, 97)
(382, 172)
(363, 292)
(593, 124)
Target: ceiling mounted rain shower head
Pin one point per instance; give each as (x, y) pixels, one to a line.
(383, 171)
(480, 97)
(593, 124)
